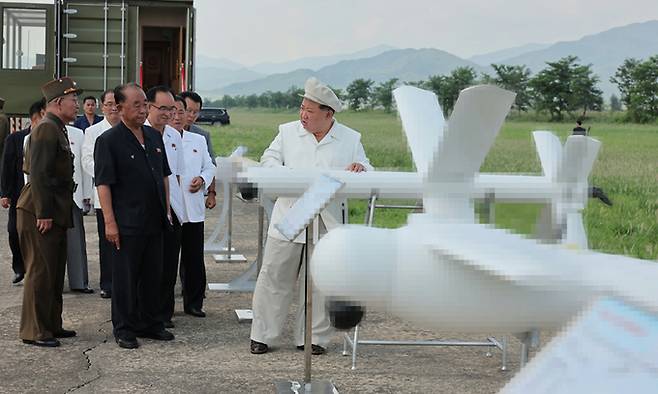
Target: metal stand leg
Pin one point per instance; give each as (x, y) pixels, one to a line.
(355, 343)
(229, 256)
(528, 339)
(504, 350)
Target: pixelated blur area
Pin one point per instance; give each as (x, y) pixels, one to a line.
(344, 315)
(609, 348)
(308, 206)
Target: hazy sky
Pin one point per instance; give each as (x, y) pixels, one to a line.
(255, 31)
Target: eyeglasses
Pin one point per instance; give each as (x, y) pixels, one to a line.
(164, 108)
(109, 104)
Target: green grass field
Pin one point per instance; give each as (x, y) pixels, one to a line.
(627, 169)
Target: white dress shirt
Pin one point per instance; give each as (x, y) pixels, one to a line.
(295, 147)
(173, 143)
(90, 136)
(197, 163)
(82, 179)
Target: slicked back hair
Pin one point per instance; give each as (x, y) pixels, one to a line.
(37, 107)
(180, 99)
(105, 93)
(119, 96)
(151, 93)
(194, 96)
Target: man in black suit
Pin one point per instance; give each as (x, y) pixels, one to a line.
(131, 174)
(12, 181)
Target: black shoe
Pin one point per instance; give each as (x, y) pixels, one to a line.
(106, 294)
(195, 312)
(86, 290)
(168, 324)
(65, 334)
(163, 335)
(17, 278)
(316, 350)
(127, 343)
(48, 342)
(258, 347)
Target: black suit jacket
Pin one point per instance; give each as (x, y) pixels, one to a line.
(11, 178)
(135, 175)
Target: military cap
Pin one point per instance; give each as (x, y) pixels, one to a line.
(59, 87)
(315, 90)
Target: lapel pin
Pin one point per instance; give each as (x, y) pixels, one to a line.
(158, 150)
(132, 156)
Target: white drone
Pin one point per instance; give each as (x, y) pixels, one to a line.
(445, 270)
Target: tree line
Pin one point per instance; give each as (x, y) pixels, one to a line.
(563, 88)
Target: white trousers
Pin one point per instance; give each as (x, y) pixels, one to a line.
(282, 266)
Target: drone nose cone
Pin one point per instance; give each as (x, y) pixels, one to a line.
(355, 263)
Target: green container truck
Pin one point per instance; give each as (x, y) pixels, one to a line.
(100, 44)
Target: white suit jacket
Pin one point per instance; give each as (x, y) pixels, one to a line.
(81, 178)
(294, 147)
(173, 143)
(197, 163)
(91, 134)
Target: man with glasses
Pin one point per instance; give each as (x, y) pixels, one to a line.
(161, 109)
(44, 213)
(92, 133)
(194, 104)
(132, 177)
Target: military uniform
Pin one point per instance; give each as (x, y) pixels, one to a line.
(48, 195)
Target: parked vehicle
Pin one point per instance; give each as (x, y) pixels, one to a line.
(214, 115)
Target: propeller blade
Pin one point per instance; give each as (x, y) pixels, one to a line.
(422, 121)
(549, 149)
(473, 126)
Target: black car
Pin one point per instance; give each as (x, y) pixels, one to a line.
(214, 115)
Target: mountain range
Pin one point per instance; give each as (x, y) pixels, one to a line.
(605, 51)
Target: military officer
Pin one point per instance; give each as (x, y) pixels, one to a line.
(44, 214)
(316, 140)
(131, 174)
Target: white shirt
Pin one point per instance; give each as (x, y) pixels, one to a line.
(82, 179)
(91, 134)
(197, 163)
(173, 143)
(294, 147)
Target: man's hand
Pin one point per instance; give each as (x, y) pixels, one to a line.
(356, 167)
(44, 225)
(112, 234)
(5, 201)
(211, 200)
(196, 184)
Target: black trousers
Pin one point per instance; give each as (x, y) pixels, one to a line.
(192, 265)
(171, 251)
(136, 282)
(104, 253)
(17, 263)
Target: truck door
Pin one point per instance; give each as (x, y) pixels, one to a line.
(97, 43)
(27, 58)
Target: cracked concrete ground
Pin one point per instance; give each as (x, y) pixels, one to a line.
(211, 355)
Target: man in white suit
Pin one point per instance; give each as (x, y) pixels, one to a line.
(76, 243)
(316, 140)
(111, 119)
(161, 108)
(197, 176)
